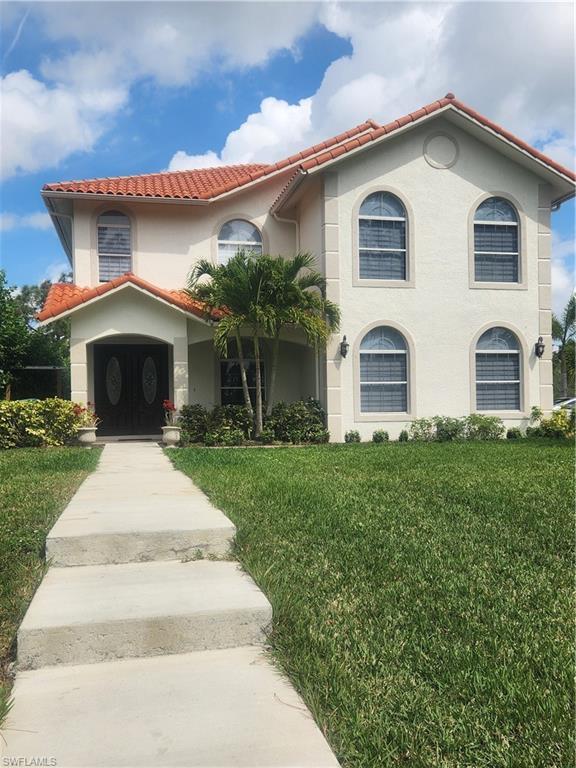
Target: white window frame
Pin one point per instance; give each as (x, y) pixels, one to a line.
(518, 381)
(499, 253)
(241, 245)
(367, 217)
(101, 254)
(385, 383)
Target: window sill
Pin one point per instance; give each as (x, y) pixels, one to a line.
(365, 283)
(391, 416)
(474, 284)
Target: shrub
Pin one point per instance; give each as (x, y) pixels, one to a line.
(301, 422)
(422, 429)
(380, 436)
(448, 428)
(37, 423)
(514, 434)
(481, 427)
(558, 426)
(403, 436)
(224, 435)
(352, 437)
(193, 420)
(231, 417)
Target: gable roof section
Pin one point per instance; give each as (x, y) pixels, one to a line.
(65, 297)
(210, 183)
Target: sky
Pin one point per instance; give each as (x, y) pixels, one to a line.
(114, 88)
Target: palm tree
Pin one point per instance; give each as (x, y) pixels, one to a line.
(563, 331)
(265, 294)
(297, 299)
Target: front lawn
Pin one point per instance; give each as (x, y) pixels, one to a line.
(35, 486)
(422, 593)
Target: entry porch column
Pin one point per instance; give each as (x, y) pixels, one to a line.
(180, 372)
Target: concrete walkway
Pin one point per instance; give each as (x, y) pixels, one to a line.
(138, 651)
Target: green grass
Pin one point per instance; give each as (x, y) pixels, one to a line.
(35, 485)
(422, 593)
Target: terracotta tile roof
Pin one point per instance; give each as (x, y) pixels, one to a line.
(64, 296)
(209, 183)
(200, 184)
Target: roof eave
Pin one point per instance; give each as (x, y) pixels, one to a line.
(117, 289)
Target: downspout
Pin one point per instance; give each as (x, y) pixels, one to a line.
(296, 224)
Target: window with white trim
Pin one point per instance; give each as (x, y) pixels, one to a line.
(382, 238)
(383, 371)
(498, 371)
(238, 235)
(114, 245)
(496, 242)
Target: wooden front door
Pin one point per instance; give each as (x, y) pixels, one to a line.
(130, 384)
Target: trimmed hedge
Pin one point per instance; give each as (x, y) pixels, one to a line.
(300, 422)
(38, 423)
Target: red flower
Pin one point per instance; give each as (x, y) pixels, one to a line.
(168, 405)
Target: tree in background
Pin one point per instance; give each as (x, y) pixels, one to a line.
(14, 336)
(563, 332)
(50, 344)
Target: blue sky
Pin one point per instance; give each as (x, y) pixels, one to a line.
(195, 84)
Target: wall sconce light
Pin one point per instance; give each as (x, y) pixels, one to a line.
(344, 347)
(539, 347)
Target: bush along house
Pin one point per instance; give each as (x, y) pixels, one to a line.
(433, 233)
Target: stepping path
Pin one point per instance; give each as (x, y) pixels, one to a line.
(135, 652)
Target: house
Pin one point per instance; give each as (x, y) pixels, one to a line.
(433, 233)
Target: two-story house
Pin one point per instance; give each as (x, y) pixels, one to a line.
(433, 233)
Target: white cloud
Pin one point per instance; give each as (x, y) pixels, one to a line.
(563, 271)
(54, 270)
(182, 162)
(10, 221)
(41, 125)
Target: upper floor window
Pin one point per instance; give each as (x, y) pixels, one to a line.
(498, 376)
(114, 245)
(496, 239)
(383, 371)
(238, 235)
(382, 238)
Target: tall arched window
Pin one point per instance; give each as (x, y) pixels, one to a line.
(383, 371)
(114, 245)
(498, 371)
(382, 238)
(238, 235)
(496, 242)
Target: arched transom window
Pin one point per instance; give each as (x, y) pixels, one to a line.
(496, 242)
(498, 371)
(238, 235)
(114, 245)
(383, 371)
(382, 238)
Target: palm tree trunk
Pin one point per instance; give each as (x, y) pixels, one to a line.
(563, 371)
(258, 420)
(245, 390)
(273, 372)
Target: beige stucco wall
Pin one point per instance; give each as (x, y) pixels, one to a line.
(168, 238)
(440, 312)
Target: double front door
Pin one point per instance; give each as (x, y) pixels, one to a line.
(130, 385)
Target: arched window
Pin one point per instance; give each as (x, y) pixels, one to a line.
(498, 371)
(382, 238)
(114, 245)
(496, 239)
(383, 371)
(238, 235)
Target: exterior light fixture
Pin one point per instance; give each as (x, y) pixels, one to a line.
(344, 347)
(539, 347)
